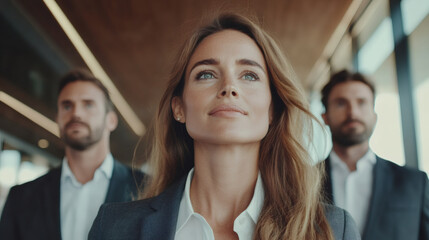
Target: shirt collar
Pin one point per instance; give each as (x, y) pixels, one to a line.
(257, 202)
(186, 210)
(106, 168)
(369, 157)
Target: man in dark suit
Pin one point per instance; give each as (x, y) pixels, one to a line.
(387, 201)
(63, 203)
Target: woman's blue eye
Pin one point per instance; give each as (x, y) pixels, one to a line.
(205, 75)
(250, 77)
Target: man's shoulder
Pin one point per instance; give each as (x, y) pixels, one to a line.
(50, 178)
(28, 195)
(400, 170)
(402, 179)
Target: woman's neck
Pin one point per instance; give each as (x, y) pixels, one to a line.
(223, 182)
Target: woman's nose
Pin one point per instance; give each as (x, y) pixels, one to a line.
(228, 88)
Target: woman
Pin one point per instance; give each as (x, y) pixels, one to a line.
(228, 158)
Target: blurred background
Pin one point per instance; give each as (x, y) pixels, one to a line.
(130, 45)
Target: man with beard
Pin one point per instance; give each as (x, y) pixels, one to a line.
(63, 203)
(387, 201)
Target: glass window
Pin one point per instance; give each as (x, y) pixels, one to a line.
(419, 54)
(18, 164)
(376, 60)
(378, 47)
(413, 12)
(387, 140)
(9, 165)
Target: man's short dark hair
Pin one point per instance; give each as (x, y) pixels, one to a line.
(341, 77)
(85, 76)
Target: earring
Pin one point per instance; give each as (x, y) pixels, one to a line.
(178, 118)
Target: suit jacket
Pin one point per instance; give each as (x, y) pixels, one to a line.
(399, 204)
(155, 218)
(32, 210)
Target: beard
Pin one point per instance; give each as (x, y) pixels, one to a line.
(85, 142)
(351, 136)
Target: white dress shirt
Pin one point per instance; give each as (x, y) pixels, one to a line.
(79, 203)
(192, 226)
(352, 190)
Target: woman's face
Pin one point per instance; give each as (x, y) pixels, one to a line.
(226, 98)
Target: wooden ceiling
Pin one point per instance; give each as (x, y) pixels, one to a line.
(136, 41)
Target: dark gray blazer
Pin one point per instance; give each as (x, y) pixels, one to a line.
(155, 218)
(32, 210)
(399, 205)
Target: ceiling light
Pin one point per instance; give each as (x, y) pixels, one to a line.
(124, 109)
(43, 143)
(30, 113)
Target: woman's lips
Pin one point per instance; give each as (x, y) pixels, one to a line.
(227, 110)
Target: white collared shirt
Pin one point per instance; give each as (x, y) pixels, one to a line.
(192, 226)
(79, 203)
(352, 190)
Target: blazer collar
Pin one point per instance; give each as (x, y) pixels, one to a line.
(51, 195)
(381, 179)
(119, 184)
(161, 222)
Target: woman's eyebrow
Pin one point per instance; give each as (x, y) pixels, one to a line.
(210, 61)
(250, 63)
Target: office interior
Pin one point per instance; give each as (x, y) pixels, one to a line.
(130, 46)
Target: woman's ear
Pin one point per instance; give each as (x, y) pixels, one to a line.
(177, 108)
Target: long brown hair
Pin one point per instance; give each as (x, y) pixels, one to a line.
(292, 208)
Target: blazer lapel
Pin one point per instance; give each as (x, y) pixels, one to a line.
(116, 184)
(51, 204)
(379, 193)
(119, 189)
(161, 223)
